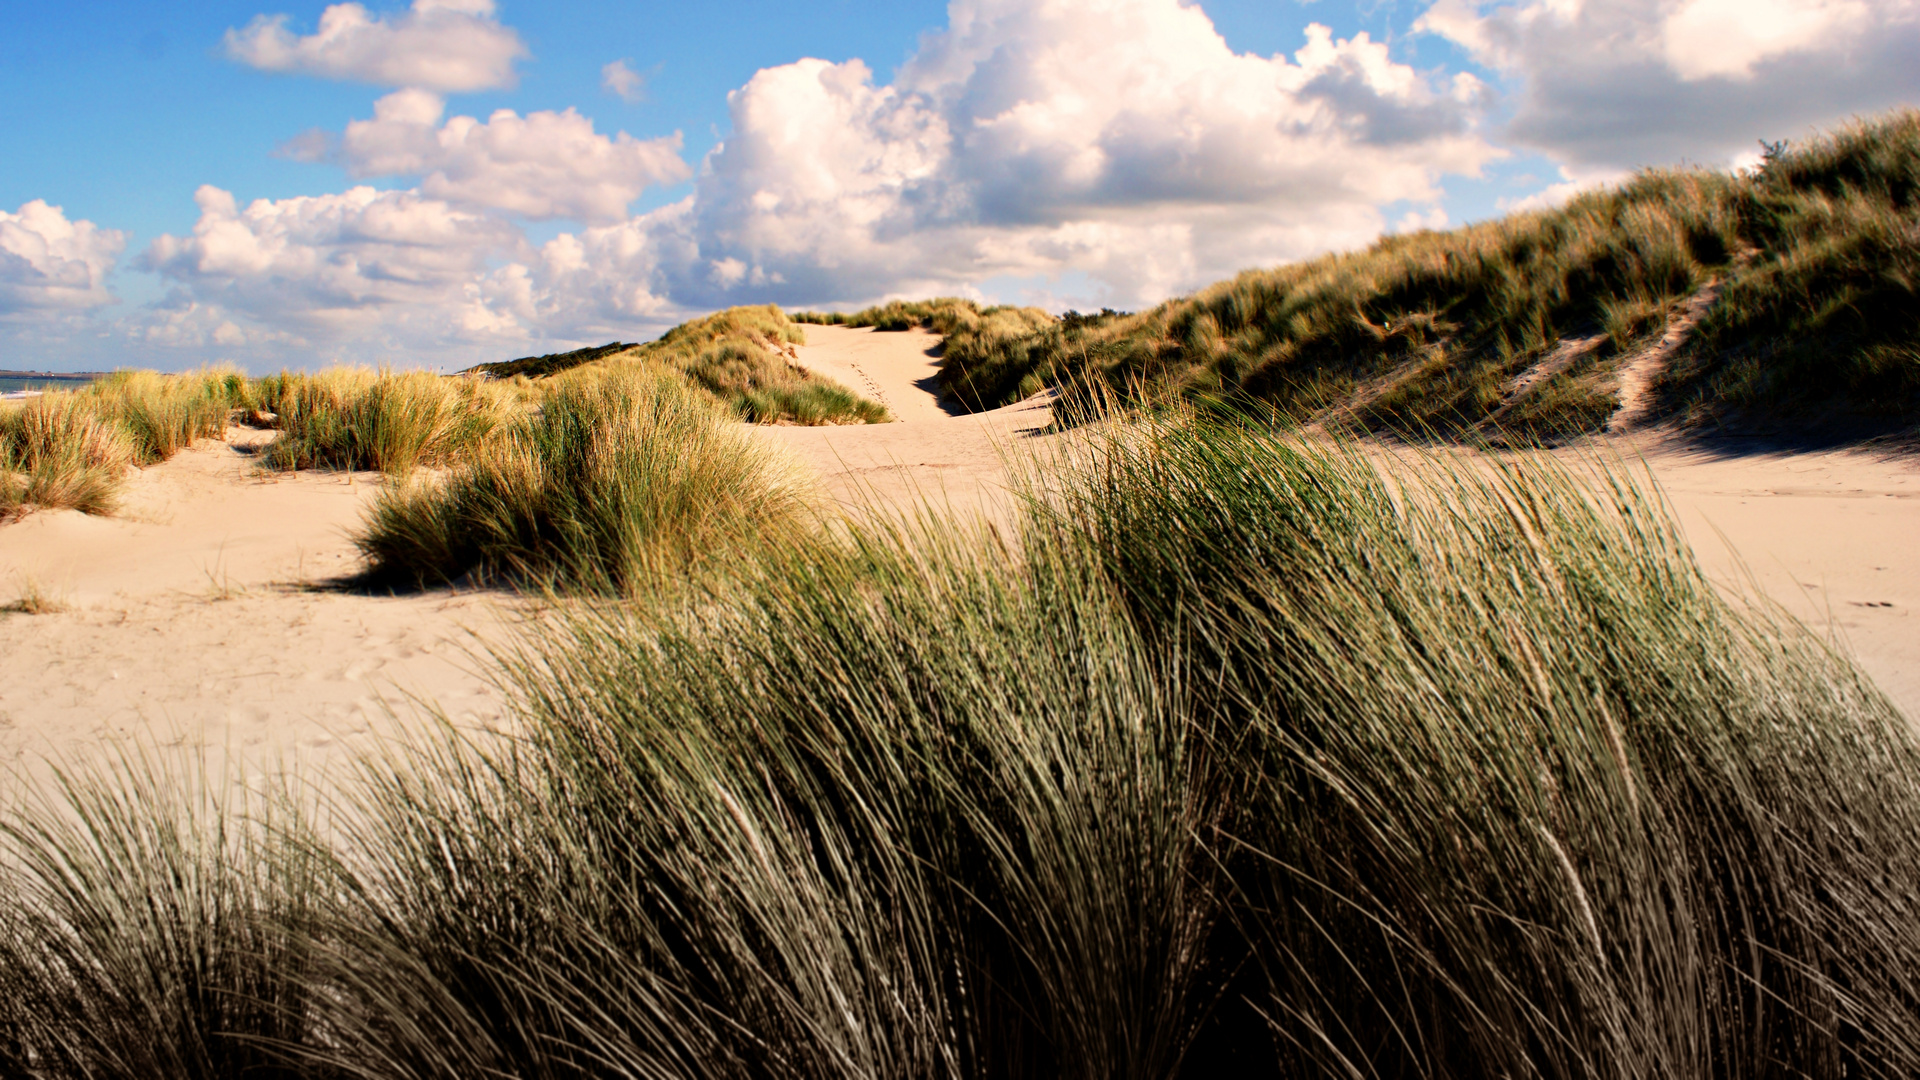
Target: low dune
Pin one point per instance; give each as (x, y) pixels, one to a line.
(208, 611)
(205, 611)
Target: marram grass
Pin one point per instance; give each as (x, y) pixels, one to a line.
(1249, 756)
(623, 477)
(72, 449)
(1813, 320)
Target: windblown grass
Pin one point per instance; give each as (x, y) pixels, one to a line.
(157, 923)
(71, 449)
(624, 475)
(1427, 332)
(354, 418)
(1250, 756)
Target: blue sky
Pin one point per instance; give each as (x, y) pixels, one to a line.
(234, 182)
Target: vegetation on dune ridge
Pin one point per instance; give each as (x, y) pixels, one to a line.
(534, 367)
(743, 356)
(72, 449)
(1249, 756)
(1523, 324)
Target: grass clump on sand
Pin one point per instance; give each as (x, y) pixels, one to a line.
(623, 475)
(743, 356)
(58, 452)
(71, 449)
(1248, 757)
(355, 418)
(1456, 332)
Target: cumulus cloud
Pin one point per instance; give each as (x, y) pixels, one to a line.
(620, 80)
(50, 264)
(542, 165)
(1120, 141)
(385, 266)
(446, 45)
(1622, 83)
(1122, 138)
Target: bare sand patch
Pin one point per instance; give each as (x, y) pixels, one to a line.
(1828, 535)
(200, 614)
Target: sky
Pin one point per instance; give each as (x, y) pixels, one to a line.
(436, 183)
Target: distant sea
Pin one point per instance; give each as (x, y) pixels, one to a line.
(11, 382)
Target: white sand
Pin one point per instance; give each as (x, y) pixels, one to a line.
(190, 615)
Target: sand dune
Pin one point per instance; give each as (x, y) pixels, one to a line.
(200, 613)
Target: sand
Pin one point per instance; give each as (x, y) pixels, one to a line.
(203, 614)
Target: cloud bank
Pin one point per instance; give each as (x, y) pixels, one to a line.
(1120, 145)
(1623, 83)
(1119, 139)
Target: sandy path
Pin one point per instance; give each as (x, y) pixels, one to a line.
(953, 459)
(1830, 536)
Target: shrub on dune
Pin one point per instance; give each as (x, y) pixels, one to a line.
(58, 452)
(354, 418)
(623, 474)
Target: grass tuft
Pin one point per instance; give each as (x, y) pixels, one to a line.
(624, 476)
(353, 418)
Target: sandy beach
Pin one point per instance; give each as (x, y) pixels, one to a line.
(205, 611)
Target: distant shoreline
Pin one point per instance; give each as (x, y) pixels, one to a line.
(60, 376)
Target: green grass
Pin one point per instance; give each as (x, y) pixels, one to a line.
(354, 418)
(1425, 333)
(72, 449)
(742, 356)
(1249, 756)
(624, 476)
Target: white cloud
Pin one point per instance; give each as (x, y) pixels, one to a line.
(1623, 83)
(1119, 137)
(543, 165)
(620, 80)
(390, 269)
(50, 264)
(1119, 142)
(1574, 180)
(446, 45)
(1725, 38)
